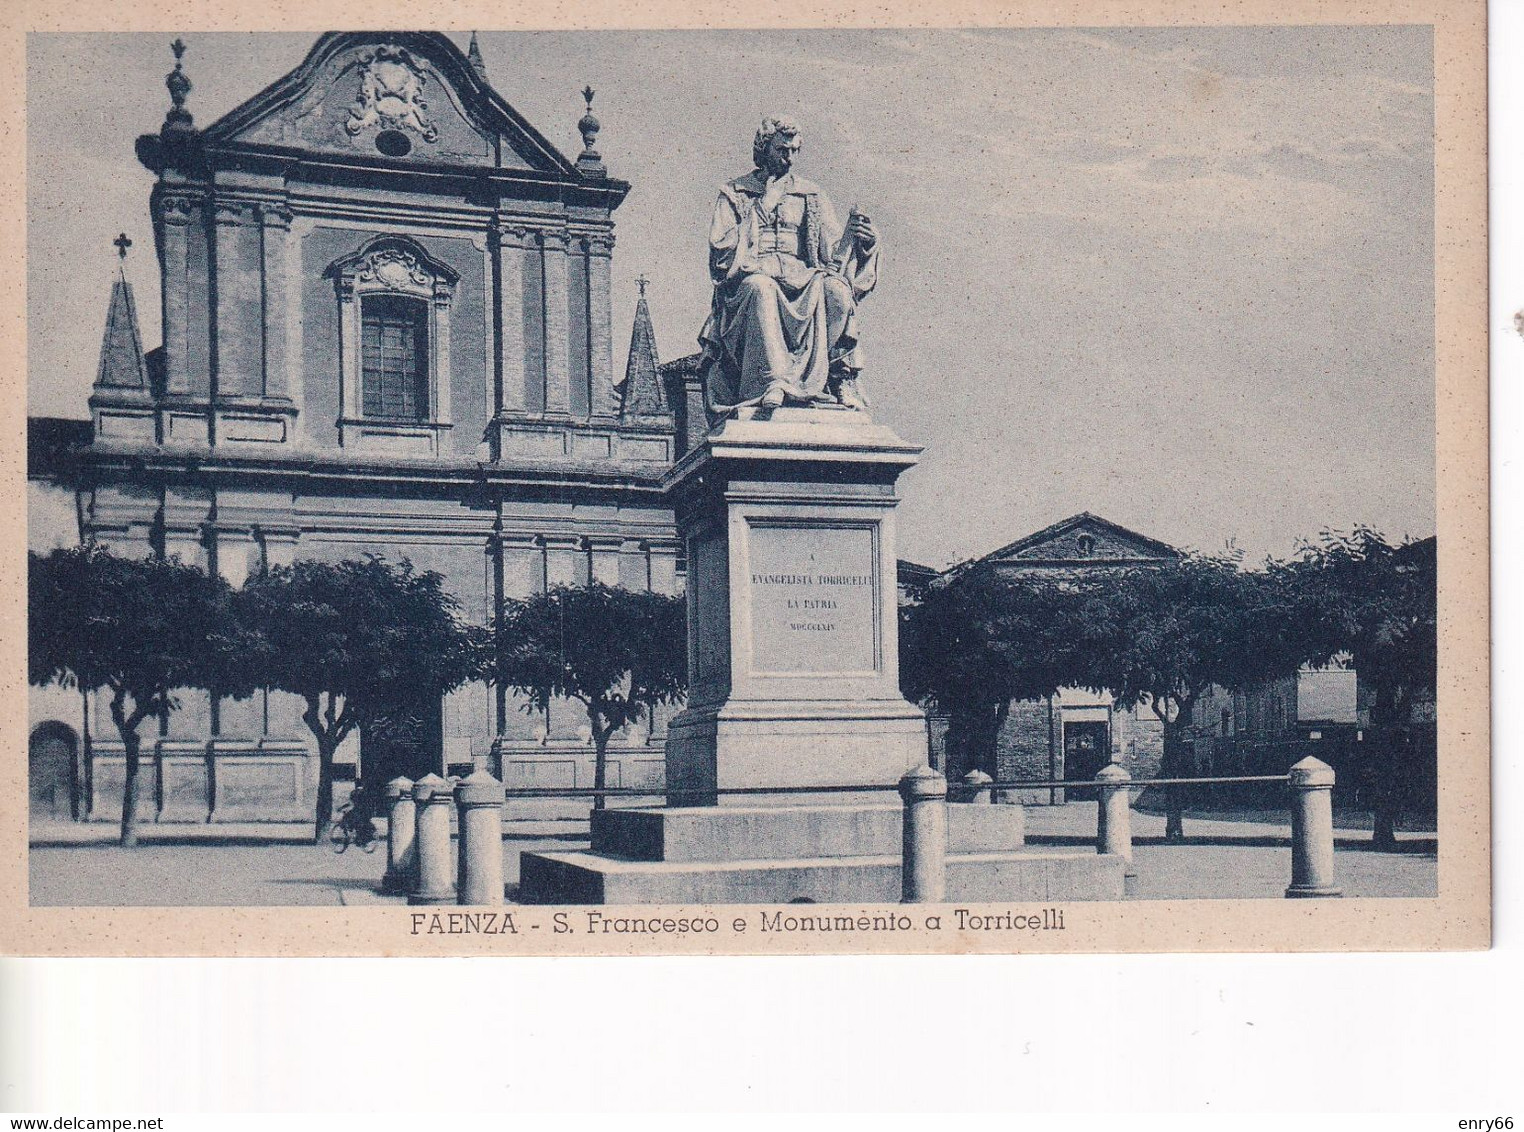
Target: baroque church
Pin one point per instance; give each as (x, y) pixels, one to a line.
(386, 329)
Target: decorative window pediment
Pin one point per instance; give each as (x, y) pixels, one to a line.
(394, 363)
(395, 264)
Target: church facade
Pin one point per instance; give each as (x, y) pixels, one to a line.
(386, 330)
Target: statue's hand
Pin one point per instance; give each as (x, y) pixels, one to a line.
(864, 235)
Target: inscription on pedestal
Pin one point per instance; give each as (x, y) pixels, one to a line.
(813, 599)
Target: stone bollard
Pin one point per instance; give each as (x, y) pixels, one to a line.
(976, 787)
(401, 830)
(433, 797)
(480, 798)
(923, 870)
(1312, 844)
(1113, 824)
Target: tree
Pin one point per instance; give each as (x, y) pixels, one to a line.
(977, 643)
(1376, 602)
(137, 629)
(353, 639)
(618, 652)
(1171, 631)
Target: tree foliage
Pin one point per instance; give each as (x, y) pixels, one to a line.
(981, 641)
(1377, 603)
(353, 639)
(1176, 629)
(617, 652)
(1159, 635)
(137, 629)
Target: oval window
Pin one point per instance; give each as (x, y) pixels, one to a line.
(394, 143)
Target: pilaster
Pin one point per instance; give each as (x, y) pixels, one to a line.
(238, 362)
(176, 213)
(605, 406)
(275, 231)
(513, 244)
(553, 247)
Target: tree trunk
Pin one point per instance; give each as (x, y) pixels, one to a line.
(1388, 793)
(133, 748)
(329, 735)
(1174, 799)
(326, 749)
(1389, 771)
(600, 760)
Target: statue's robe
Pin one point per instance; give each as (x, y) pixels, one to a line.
(786, 286)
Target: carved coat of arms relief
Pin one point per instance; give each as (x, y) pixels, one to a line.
(391, 94)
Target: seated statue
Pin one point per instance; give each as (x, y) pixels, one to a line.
(782, 328)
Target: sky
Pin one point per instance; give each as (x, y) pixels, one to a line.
(1180, 278)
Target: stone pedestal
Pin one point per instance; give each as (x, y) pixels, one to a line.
(793, 669)
(788, 519)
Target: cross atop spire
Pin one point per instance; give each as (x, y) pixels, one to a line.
(640, 281)
(122, 243)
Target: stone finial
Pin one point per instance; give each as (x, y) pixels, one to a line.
(588, 127)
(179, 84)
(589, 161)
(474, 54)
(177, 145)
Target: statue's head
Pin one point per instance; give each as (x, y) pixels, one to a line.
(775, 145)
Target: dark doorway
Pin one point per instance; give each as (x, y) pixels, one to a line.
(408, 741)
(51, 779)
(1087, 748)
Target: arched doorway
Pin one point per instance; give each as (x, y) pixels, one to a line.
(52, 772)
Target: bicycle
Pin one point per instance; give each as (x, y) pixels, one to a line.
(353, 827)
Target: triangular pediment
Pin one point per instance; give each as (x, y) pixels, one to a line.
(1083, 539)
(390, 95)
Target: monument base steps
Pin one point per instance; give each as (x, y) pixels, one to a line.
(588, 878)
(825, 854)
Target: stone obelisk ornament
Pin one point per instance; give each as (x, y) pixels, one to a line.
(787, 278)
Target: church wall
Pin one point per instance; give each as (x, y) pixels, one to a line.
(260, 749)
(245, 241)
(52, 522)
(1024, 746)
(469, 343)
(239, 300)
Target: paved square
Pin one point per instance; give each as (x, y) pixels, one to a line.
(271, 865)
